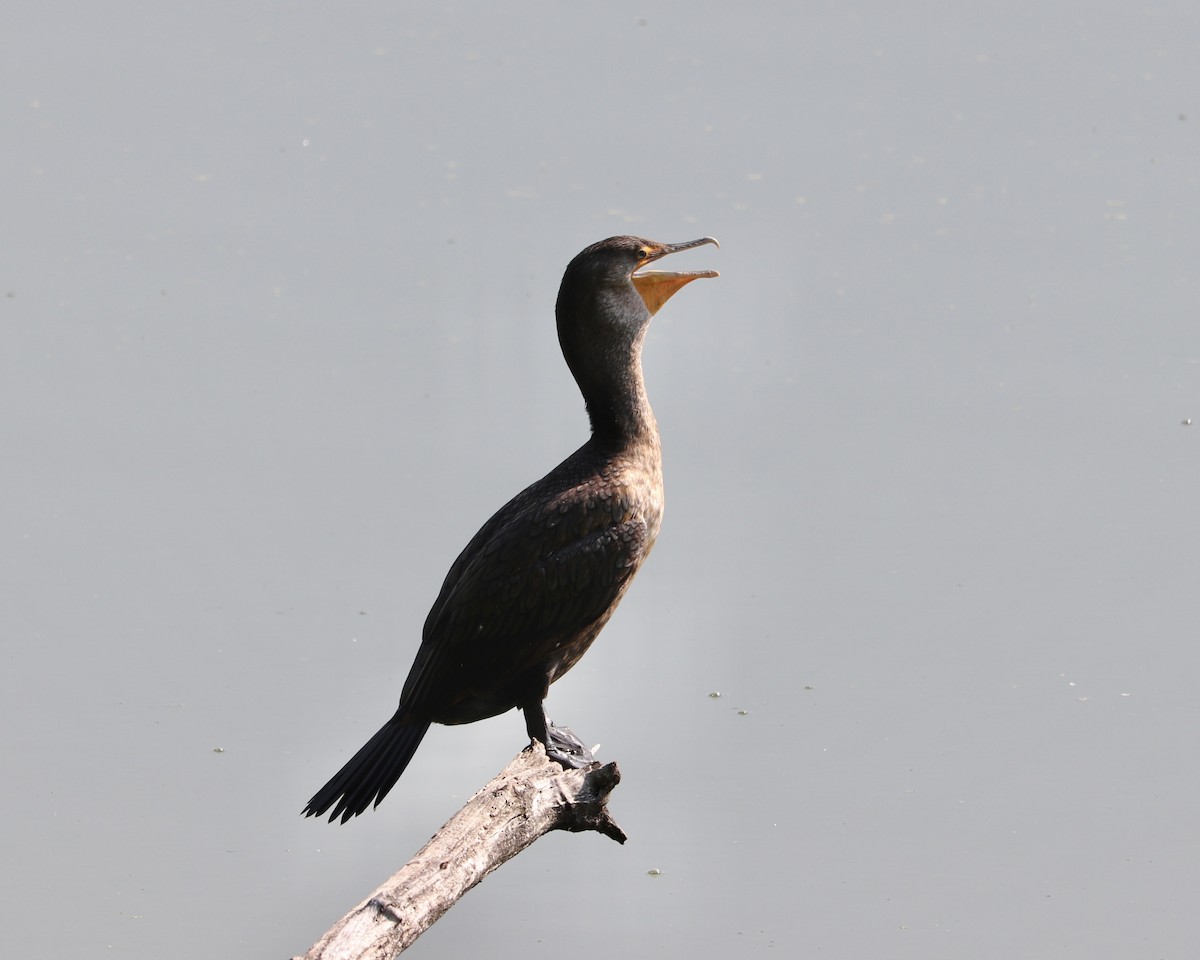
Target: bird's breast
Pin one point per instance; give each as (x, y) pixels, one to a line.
(622, 493)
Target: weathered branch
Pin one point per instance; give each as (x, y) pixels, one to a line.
(530, 797)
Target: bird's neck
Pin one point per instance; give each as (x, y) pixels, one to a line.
(619, 409)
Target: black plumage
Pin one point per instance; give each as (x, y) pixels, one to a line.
(537, 583)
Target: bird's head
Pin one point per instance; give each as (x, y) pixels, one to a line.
(604, 306)
(608, 269)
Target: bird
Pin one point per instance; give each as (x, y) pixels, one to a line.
(532, 589)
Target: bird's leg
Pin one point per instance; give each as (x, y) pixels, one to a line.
(561, 744)
(536, 724)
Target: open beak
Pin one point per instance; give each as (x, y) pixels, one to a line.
(658, 286)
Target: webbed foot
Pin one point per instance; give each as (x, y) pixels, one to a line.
(561, 744)
(567, 749)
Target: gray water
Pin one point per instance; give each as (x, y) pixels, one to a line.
(277, 336)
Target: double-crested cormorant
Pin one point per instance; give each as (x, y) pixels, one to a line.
(533, 588)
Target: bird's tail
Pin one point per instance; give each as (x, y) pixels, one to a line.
(369, 774)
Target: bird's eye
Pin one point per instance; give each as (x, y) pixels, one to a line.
(642, 253)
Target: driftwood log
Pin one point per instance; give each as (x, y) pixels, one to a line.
(530, 797)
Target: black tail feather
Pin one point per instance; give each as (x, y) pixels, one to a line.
(369, 774)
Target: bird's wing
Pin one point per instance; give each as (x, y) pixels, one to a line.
(532, 579)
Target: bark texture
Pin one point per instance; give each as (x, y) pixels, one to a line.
(527, 799)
